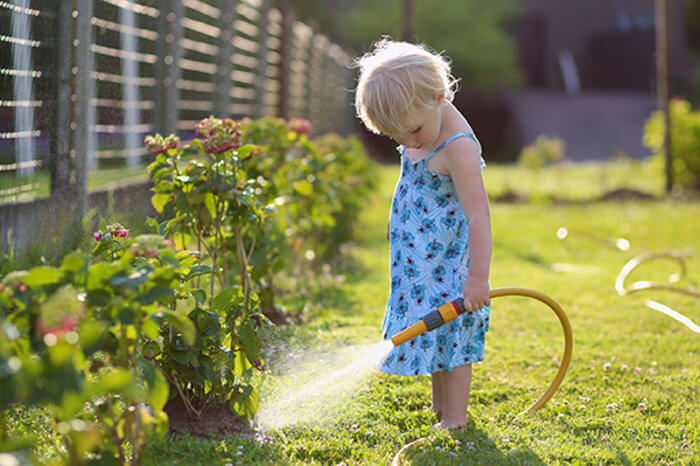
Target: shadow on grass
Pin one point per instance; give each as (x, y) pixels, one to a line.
(525, 256)
(470, 446)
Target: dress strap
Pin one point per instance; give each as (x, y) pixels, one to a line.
(450, 139)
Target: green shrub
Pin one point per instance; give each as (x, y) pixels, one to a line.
(103, 341)
(545, 151)
(685, 142)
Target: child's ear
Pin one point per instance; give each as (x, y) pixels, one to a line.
(440, 98)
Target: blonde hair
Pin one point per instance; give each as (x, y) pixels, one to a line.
(398, 79)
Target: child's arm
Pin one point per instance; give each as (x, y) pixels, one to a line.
(463, 162)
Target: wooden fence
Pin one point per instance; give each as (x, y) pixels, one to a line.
(82, 81)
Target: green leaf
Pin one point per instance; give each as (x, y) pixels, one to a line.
(154, 294)
(197, 270)
(249, 341)
(100, 273)
(74, 262)
(183, 324)
(165, 227)
(158, 390)
(117, 380)
(152, 225)
(159, 201)
(199, 295)
(40, 276)
(207, 322)
(99, 297)
(164, 187)
(226, 299)
(92, 333)
(304, 188)
(247, 402)
(181, 240)
(245, 150)
(151, 329)
(210, 203)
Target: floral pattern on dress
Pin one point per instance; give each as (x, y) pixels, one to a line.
(428, 237)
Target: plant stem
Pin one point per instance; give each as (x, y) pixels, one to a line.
(136, 454)
(115, 433)
(244, 267)
(173, 381)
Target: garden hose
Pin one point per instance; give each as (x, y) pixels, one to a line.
(623, 244)
(633, 263)
(623, 290)
(620, 244)
(450, 311)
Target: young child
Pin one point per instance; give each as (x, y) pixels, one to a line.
(439, 228)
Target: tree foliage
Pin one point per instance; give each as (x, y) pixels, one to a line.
(692, 25)
(470, 32)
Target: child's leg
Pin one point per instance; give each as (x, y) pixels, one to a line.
(438, 392)
(456, 384)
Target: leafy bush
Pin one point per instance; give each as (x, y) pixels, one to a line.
(106, 339)
(545, 151)
(72, 339)
(685, 142)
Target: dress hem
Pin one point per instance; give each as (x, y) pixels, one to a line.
(422, 372)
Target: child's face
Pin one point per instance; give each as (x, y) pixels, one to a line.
(425, 130)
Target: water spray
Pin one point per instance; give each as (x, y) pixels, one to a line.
(450, 311)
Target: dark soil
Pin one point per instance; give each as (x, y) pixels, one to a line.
(626, 194)
(216, 419)
(277, 315)
(621, 194)
(512, 197)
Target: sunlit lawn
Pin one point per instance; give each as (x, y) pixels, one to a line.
(630, 395)
(96, 179)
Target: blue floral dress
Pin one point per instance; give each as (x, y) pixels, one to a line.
(428, 235)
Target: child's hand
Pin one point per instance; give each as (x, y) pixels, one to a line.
(476, 294)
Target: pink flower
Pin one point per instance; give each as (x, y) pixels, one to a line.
(220, 135)
(158, 144)
(22, 287)
(300, 125)
(68, 324)
(205, 127)
(97, 235)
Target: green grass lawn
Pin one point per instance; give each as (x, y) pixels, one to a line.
(584, 180)
(629, 397)
(96, 179)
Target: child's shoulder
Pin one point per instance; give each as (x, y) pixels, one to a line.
(464, 151)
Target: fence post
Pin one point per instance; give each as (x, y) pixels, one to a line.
(349, 106)
(224, 65)
(82, 42)
(309, 91)
(263, 34)
(168, 66)
(286, 39)
(60, 163)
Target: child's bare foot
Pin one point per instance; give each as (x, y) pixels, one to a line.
(442, 425)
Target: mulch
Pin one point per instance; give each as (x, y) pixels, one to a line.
(215, 420)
